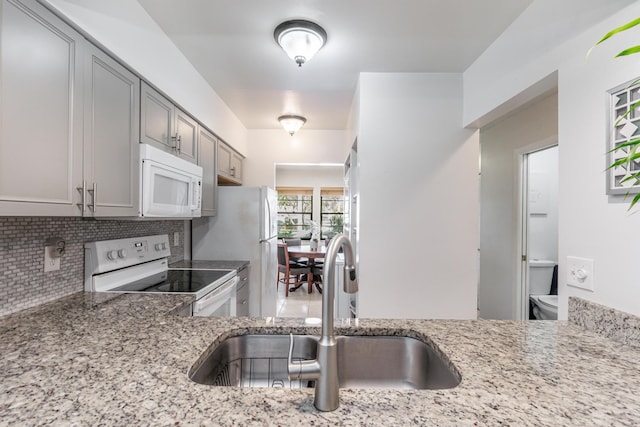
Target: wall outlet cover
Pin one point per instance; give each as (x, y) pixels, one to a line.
(50, 263)
(580, 273)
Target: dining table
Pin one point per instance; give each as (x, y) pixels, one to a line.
(305, 251)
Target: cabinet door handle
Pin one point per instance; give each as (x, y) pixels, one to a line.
(176, 142)
(83, 201)
(94, 198)
(233, 171)
(179, 143)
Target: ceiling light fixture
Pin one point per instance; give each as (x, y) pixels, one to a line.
(292, 123)
(300, 39)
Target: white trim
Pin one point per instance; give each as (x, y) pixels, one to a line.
(521, 279)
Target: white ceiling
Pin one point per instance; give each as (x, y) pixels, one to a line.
(230, 42)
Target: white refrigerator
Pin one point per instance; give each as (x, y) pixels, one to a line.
(245, 228)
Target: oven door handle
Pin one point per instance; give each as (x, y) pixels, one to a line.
(223, 292)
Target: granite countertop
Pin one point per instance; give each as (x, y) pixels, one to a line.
(210, 265)
(96, 359)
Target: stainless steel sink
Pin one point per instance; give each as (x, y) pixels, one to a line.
(363, 362)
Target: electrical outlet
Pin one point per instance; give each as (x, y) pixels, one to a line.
(50, 263)
(176, 238)
(580, 272)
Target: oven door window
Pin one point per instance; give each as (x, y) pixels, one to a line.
(219, 303)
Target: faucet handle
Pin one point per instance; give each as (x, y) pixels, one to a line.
(350, 279)
(301, 369)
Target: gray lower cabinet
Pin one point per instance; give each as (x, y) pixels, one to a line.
(229, 165)
(242, 293)
(207, 148)
(165, 126)
(111, 129)
(41, 112)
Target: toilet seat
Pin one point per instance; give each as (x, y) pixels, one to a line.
(545, 307)
(549, 301)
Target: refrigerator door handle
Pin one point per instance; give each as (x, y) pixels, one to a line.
(269, 215)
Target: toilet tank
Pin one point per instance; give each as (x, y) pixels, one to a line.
(540, 275)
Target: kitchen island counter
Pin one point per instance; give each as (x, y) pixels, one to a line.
(105, 359)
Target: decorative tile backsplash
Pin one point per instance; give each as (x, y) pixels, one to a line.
(23, 282)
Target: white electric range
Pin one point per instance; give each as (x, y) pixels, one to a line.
(141, 265)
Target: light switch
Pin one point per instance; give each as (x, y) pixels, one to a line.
(580, 272)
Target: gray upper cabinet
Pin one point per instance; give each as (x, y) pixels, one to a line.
(111, 129)
(207, 148)
(236, 166)
(41, 112)
(72, 119)
(187, 134)
(156, 119)
(165, 126)
(229, 165)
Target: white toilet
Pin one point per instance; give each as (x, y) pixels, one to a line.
(545, 306)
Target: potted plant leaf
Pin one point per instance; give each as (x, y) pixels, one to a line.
(629, 148)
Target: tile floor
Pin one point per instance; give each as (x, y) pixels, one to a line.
(299, 303)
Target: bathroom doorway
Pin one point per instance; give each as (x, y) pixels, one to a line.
(538, 222)
(503, 145)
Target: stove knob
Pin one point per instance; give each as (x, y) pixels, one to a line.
(112, 255)
(164, 246)
(158, 246)
(122, 253)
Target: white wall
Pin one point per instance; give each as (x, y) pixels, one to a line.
(499, 144)
(591, 224)
(418, 179)
(311, 176)
(124, 28)
(543, 216)
(353, 121)
(266, 147)
(519, 65)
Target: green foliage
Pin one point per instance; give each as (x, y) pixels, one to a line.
(615, 31)
(634, 144)
(337, 224)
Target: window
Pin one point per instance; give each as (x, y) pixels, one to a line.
(295, 206)
(331, 212)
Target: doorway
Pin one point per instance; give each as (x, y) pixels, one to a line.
(306, 193)
(537, 220)
(503, 144)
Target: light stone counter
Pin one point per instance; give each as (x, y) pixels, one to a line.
(95, 359)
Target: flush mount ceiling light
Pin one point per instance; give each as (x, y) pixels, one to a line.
(292, 123)
(300, 39)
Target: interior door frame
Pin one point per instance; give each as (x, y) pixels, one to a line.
(521, 279)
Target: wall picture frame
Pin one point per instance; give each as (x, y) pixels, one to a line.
(622, 129)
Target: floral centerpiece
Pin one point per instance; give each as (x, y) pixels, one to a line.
(315, 235)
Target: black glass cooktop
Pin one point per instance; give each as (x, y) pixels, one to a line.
(179, 281)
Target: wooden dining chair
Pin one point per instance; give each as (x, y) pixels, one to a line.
(292, 271)
(295, 242)
(318, 276)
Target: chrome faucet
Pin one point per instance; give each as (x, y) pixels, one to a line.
(324, 369)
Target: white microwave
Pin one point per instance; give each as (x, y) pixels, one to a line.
(170, 187)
